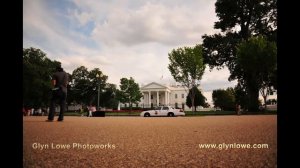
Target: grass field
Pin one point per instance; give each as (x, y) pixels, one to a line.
(187, 113)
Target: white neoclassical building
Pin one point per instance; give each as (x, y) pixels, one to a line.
(155, 94)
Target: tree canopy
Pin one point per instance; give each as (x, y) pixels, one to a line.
(86, 83)
(199, 100)
(129, 91)
(224, 99)
(37, 74)
(256, 63)
(186, 66)
(238, 21)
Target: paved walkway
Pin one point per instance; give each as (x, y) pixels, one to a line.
(149, 142)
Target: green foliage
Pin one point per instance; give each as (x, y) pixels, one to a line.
(257, 62)
(129, 91)
(199, 99)
(251, 16)
(220, 50)
(238, 21)
(224, 99)
(37, 72)
(241, 97)
(257, 56)
(186, 66)
(109, 97)
(86, 84)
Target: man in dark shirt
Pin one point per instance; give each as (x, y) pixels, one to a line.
(59, 93)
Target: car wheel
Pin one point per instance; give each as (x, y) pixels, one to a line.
(171, 114)
(146, 115)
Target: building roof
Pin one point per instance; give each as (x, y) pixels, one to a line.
(154, 85)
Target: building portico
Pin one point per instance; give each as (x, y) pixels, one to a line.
(155, 94)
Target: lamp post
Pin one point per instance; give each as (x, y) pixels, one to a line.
(98, 76)
(98, 97)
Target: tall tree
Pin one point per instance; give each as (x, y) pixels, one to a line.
(37, 71)
(87, 84)
(199, 99)
(129, 91)
(247, 16)
(80, 83)
(225, 99)
(256, 62)
(186, 66)
(240, 95)
(109, 97)
(238, 21)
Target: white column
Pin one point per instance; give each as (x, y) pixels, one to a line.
(144, 97)
(157, 98)
(169, 100)
(149, 98)
(166, 98)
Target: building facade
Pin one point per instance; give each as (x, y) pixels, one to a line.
(155, 94)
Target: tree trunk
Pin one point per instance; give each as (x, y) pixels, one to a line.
(130, 107)
(264, 94)
(193, 104)
(265, 100)
(253, 103)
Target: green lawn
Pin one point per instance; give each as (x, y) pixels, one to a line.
(106, 114)
(187, 113)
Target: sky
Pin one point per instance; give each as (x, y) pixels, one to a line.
(123, 38)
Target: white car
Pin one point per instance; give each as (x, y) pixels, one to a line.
(163, 111)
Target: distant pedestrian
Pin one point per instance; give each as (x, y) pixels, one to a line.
(238, 109)
(59, 93)
(91, 109)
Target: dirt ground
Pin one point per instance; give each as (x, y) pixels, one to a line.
(149, 142)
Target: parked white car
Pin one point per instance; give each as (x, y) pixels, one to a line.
(163, 111)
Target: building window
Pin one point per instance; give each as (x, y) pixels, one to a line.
(175, 96)
(176, 105)
(182, 95)
(151, 96)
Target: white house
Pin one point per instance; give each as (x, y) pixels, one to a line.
(155, 94)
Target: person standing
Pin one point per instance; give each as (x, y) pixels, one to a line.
(238, 109)
(59, 93)
(90, 111)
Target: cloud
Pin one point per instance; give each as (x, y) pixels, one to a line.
(128, 38)
(82, 17)
(152, 22)
(216, 79)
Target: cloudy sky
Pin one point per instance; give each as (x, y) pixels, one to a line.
(124, 38)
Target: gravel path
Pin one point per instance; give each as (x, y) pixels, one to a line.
(149, 142)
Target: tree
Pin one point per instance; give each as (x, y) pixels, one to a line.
(238, 21)
(80, 85)
(129, 91)
(247, 16)
(199, 99)
(224, 99)
(37, 72)
(240, 95)
(109, 98)
(256, 62)
(186, 66)
(86, 84)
